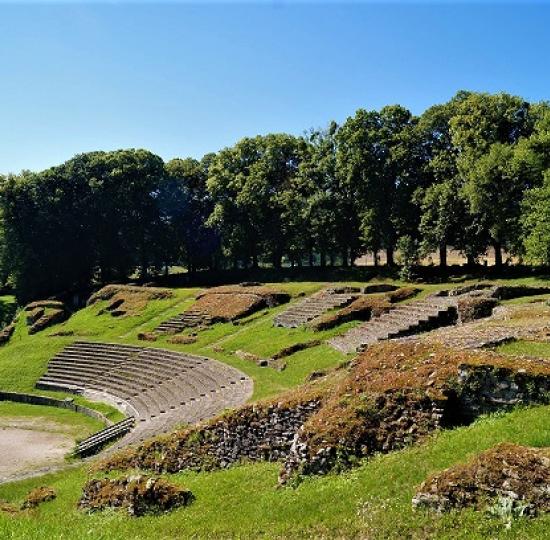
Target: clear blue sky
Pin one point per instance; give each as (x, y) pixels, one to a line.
(183, 80)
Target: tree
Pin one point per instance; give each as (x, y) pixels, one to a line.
(443, 215)
(313, 200)
(184, 206)
(485, 128)
(246, 183)
(378, 161)
(536, 223)
(49, 245)
(495, 193)
(94, 213)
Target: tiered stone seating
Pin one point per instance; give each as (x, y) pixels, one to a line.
(403, 320)
(161, 388)
(314, 306)
(188, 319)
(98, 440)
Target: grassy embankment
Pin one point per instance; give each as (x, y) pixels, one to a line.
(371, 501)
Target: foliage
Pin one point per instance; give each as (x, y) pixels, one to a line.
(468, 173)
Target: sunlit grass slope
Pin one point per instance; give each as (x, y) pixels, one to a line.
(371, 501)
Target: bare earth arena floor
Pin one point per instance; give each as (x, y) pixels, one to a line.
(31, 444)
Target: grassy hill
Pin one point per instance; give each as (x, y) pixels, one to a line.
(372, 500)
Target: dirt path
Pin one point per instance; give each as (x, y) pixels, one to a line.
(31, 445)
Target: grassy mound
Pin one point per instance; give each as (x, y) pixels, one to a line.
(228, 303)
(371, 501)
(138, 495)
(507, 472)
(127, 299)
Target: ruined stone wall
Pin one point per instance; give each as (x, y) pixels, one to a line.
(398, 423)
(252, 433)
(486, 389)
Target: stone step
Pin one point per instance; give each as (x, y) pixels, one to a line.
(162, 388)
(403, 320)
(95, 442)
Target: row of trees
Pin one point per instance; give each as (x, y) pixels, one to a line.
(472, 173)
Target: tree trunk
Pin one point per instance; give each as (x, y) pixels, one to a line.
(277, 257)
(323, 259)
(443, 256)
(389, 256)
(471, 262)
(311, 260)
(345, 258)
(331, 258)
(498, 254)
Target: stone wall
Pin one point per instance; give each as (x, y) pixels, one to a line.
(486, 389)
(261, 432)
(392, 396)
(399, 421)
(33, 399)
(471, 308)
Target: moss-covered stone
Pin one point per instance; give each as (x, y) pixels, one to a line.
(138, 495)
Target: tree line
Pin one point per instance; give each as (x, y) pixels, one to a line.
(472, 173)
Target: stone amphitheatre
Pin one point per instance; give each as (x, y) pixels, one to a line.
(307, 385)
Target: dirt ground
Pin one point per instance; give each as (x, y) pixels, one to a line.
(28, 445)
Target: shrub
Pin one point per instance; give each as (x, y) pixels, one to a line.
(409, 254)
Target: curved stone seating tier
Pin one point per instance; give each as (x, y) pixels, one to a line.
(162, 389)
(403, 320)
(312, 307)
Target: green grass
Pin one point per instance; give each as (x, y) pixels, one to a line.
(530, 348)
(371, 501)
(75, 424)
(254, 334)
